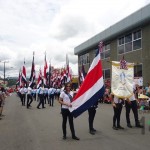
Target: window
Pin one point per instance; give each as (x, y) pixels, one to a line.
(84, 59)
(137, 42)
(130, 42)
(106, 73)
(138, 70)
(106, 52)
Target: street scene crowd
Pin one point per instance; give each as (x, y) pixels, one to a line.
(47, 97)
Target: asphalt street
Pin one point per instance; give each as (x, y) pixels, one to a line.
(40, 129)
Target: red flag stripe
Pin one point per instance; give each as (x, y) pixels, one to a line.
(95, 73)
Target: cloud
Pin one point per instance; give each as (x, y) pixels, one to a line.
(54, 26)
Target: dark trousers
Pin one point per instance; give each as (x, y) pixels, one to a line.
(91, 112)
(66, 114)
(51, 99)
(34, 96)
(117, 114)
(23, 99)
(45, 98)
(133, 106)
(29, 100)
(41, 96)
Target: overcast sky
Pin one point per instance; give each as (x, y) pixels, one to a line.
(54, 26)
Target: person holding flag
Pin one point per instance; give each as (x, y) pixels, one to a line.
(65, 100)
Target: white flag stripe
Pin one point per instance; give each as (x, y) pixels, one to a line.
(95, 62)
(87, 95)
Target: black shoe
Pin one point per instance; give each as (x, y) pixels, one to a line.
(43, 107)
(139, 126)
(38, 108)
(120, 127)
(92, 132)
(129, 125)
(75, 138)
(115, 128)
(64, 137)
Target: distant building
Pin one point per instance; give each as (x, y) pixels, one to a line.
(129, 37)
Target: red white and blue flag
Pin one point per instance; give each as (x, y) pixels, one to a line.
(24, 80)
(32, 76)
(91, 90)
(45, 71)
(40, 79)
(68, 70)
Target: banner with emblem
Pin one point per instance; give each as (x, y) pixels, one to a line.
(122, 79)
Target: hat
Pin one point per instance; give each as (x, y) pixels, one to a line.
(141, 96)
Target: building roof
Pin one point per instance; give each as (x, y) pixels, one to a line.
(134, 20)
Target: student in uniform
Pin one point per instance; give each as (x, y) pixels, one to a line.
(41, 95)
(65, 100)
(117, 106)
(29, 97)
(23, 92)
(92, 112)
(131, 103)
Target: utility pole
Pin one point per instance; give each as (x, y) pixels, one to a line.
(4, 68)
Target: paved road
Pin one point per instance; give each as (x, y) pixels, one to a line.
(40, 129)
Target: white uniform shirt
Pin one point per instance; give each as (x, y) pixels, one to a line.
(29, 90)
(117, 100)
(66, 98)
(132, 98)
(57, 91)
(23, 90)
(41, 90)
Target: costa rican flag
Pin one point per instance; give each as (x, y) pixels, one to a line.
(40, 80)
(45, 71)
(24, 80)
(32, 76)
(91, 89)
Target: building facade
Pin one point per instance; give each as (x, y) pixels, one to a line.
(129, 37)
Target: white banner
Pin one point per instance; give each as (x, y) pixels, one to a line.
(122, 80)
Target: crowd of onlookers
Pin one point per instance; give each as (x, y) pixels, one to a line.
(4, 92)
(2, 99)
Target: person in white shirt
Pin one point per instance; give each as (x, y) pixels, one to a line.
(65, 100)
(131, 103)
(57, 93)
(41, 95)
(23, 91)
(51, 93)
(29, 97)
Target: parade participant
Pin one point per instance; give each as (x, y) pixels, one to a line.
(34, 92)
(41, 95)
(45, 94)
(23, 91)
(29, 97)
(65, 100)
(117, 106)
(92, 112)
(131, 103)
(51, 93)
(37, 95)
(57, 93)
